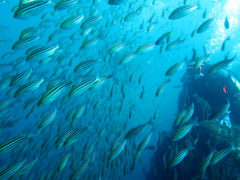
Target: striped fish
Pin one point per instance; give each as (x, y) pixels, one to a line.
(52, 84)
(205, 25)
(182, 132)
(86, 31)
(117, 150)
(87, 150)
(178, 157)
(141, 147)
(135, 131)
(48, 119)
(145, 141)
(115, 143)
(129, 16)
(30, 8)
(79, 170)
(81, 88)
(160, 88)
(19, 78)
(71, 22)
(224, 43)
(222, 111)
(206, 163)
(162, 37)
(90, 21)
(22, 43)
(84, 65)
(234, 78)
(219, 65)
(28, 87)
(74, 136)
(60, 141)
(218, 156)
(89, 42)
(188, 114)
(182, 11)
(11, 143)
(64, 4)
(100, 81)
(201, 60)
(53, 93)
(145, 48)
(42, 52)
(116, 48)
(77, 114)
(128, 57)
(29, 50)
(174, 68)
(9, 171)
(150, 28)
(174, 43)
(29, 32)
(179, 118)
(63, 162)
(24, 169)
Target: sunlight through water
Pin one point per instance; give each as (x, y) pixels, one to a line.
(230, 10)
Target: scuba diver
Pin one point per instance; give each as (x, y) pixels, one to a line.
(215, 95)
(209, 106)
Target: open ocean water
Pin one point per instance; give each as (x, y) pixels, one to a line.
(119, 90)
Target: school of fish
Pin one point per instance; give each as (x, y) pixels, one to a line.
(72, 82)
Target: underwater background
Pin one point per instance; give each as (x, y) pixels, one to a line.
(119, 89)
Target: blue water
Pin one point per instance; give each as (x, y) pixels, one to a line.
(125, 100)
